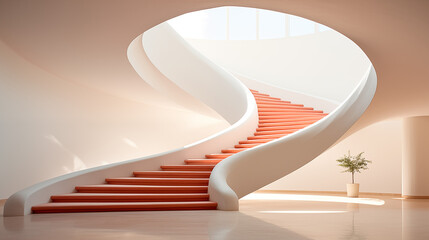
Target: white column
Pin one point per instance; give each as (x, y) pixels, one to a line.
(415, 157)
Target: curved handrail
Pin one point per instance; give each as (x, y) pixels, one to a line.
(194, 73)
(243, 117)
(250, 170)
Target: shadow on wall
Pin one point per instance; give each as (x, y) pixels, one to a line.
(53, 126)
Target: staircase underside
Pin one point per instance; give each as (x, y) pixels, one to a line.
(182, 187)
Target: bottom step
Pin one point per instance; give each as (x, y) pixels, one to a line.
(130, 206)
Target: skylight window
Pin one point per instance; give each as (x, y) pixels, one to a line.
(240, 23)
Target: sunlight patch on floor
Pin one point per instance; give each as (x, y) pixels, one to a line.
(302, 211)
(316, 198)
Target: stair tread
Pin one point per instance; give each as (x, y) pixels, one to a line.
(202, 161)
(274, 132)
(158, 181)
(135, 186)
(120, 188)
(152, 178)
(173, 168)
(234, 150)
(122, 197)
(219, 155)
(269, 128)
(173, 174)
(275, 136)
(122, 206)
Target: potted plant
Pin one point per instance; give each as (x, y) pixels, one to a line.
(353, 164)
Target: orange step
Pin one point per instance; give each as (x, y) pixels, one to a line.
(266, 136)
(300, 123)
(219, 155)
(282, 108)
(267, 98)
(202, 161)
(290, 119)
(130, 197)
(288, 111)
(274, 132)
(278, 105)
(261, 94)
(270, 101)
(110, 188)
(255, 141)
(246, 145)
(129, 206)
(296, 127)
(187, 167)
(232, 150)
(172, 174)
(289, 116)
(159, 181)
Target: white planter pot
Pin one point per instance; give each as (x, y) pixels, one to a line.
(353, 190)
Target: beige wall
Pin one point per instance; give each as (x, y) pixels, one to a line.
(325, 65)
(50, 126)
(381, 143)
(91, 48)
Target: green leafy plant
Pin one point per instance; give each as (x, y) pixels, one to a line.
(353, 164)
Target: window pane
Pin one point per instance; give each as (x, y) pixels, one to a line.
(242, 23)
(323, 28)
(207, 24)
(271, 24)
(300, 26)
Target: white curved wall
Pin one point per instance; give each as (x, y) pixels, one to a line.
(326, 64)
(250, 170)
(195, 74)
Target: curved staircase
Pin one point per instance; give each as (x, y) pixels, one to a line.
(182, 187)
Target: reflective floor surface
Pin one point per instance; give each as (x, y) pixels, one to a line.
(262, 216)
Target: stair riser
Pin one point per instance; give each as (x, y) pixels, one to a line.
(246, 145)
(189, 182)
(288, 112)
(278, 105)
(272, 137)
(282, 108)
(168, 174)
(274, 132)
(126, 208)
(232, 150)
(280, 124)
(255, 141)
(218, 156)
(158, 191)
(203, 162)
(159, 199)
(262, 129)
(188, 168)
(264, 98)
(289, 119)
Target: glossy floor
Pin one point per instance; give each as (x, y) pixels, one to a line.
(262, 216)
